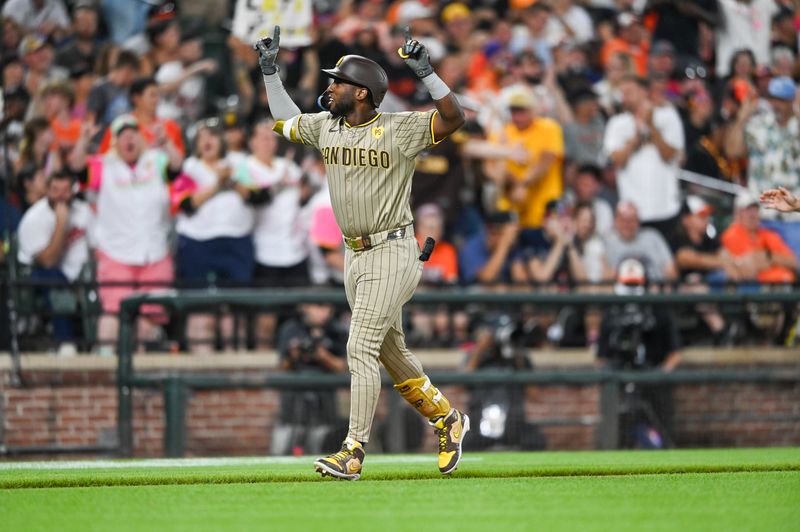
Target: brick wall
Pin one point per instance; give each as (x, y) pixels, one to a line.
(79, 408)
(738, 415)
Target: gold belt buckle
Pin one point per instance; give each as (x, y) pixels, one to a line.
(359, 243)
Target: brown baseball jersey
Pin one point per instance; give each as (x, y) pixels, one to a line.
(369, 166)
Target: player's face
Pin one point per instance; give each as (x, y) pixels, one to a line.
(341, 97)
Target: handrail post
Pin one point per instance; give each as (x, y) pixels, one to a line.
(608, 430)
(125, 347)
(175, 417)
(395, 426)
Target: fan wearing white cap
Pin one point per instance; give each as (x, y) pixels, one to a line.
(131, 183)
(701, 260)
(760, 253)
(696, 245)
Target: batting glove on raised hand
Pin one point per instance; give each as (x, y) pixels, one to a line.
(268, 52)
(415, 55)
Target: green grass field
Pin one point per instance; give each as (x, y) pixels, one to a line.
(742, 489)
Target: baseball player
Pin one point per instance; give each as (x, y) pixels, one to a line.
(369, 159)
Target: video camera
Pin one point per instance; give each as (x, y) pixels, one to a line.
(626, 327)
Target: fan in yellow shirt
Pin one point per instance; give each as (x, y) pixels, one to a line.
(532, 184)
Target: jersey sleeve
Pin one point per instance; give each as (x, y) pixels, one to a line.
(414, 132)
(303, 128)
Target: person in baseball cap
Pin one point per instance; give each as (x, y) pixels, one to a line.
(760, 253)
(782, 88)
(123, 122)
(782, 92)
(695, 205)
(744, 200)
(32, 42)
(36, 52)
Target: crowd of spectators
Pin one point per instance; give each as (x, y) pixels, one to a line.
(125, 146)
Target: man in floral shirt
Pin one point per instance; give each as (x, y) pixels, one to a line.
(771, 141)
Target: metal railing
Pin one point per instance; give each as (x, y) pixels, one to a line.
(176, 385)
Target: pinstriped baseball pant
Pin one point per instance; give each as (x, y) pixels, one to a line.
(378, 282)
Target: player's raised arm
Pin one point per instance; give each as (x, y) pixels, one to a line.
(451, 116)
(280, 104)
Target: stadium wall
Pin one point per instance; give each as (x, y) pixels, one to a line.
(74, 402)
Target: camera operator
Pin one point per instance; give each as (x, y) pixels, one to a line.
(500, 345)
(640, 337)
(313, 342)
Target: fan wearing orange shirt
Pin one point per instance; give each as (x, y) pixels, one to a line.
(433, 325)
(442, 267)
(759, 253)
(631, 39)
(57, 100)
(144, 98)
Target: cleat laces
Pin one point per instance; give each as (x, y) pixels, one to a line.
(343, 454)
(442, 440)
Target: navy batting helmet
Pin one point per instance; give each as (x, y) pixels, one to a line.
(363, 72)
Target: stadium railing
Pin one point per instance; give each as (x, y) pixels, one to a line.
(175, 385)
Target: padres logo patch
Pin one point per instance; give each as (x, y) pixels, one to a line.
(377, 132)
